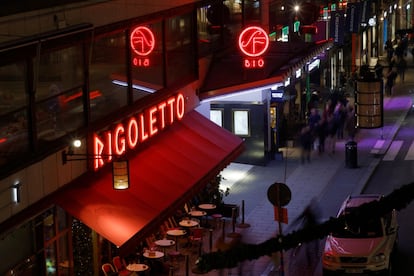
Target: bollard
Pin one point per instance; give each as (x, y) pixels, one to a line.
(243, 224)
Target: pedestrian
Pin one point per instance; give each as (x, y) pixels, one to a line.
(350, 123)
(401, 66)
(389, 84)
(306, 140)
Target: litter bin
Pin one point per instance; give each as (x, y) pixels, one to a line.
(351, 154)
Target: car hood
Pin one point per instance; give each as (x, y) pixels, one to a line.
(355, 247)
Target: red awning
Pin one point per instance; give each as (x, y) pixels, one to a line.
(163, 176)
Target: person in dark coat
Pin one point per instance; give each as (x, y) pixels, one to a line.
(389, 84)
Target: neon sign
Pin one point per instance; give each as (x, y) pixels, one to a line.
(142, 44)
(253, 42)
(136, 129)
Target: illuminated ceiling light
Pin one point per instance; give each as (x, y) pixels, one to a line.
(135, 86)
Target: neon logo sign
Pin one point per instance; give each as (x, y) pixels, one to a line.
(136, 129)
(253, 42)
(142, 44)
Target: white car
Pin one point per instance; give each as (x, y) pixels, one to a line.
(361, 250)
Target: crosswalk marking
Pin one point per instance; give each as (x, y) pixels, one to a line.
(410, 153)
(393, 150)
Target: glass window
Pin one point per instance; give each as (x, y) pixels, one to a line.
(59, 107)
(147, 59)
(216, 115)
(108, 81)
(180, 48)
(13, 114)
(241, 124)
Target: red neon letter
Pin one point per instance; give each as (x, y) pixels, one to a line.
(144, 134)
(180, 106)
(98, 147)
(170, 103)
(132, 133)
(161, 108)
(119, 139)
(153, 121)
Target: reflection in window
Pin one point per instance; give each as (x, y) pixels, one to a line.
(59, 92)
(108, 88)
(13, 114)
(216, 115)
(180, 48)
(241, 122)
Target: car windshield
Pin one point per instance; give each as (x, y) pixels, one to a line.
(369, 229)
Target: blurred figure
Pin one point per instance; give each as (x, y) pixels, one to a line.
(350, 123)
(389, 84)
(379, 70)
(309, 218)
(306, 140)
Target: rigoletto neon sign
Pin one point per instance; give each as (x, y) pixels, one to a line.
(136, 129)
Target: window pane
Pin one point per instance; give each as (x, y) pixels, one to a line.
(108, 75)
(59, 71)
(59, 114)
(241, 122)
(147, 65)
(13, 114)
(180, 45)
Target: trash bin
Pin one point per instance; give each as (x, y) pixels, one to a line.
(351, 154)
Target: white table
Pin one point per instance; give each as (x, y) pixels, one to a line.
(197, 213)
(207, 206)
(153, 254)
(188, 223)
(176, 233)
(164, 243)
(137, 267)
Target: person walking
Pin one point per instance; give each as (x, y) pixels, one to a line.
(389, 84)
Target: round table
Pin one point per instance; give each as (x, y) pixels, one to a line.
(153, 254)
(164, 243)
(137, 267)
(188, 223)
(176, 233)
(197, 213)
(207, 206)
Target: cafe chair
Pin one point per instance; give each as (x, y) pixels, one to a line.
(120, 266)
(108, 269)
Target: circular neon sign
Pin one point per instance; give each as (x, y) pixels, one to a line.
(142, 41)
(253, 41)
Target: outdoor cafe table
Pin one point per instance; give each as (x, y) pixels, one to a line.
(188, 223)
(176, 233)
(137, 267)
(153, 254)
(197, 213)
(164, 243)
(207, 206)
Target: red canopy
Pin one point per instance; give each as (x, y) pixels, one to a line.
(163, 176)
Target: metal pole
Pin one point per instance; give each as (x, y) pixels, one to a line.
(211, 239)
(282, 269)
(187, 271)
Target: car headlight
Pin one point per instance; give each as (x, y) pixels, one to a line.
(378, 258)
(330, 258)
